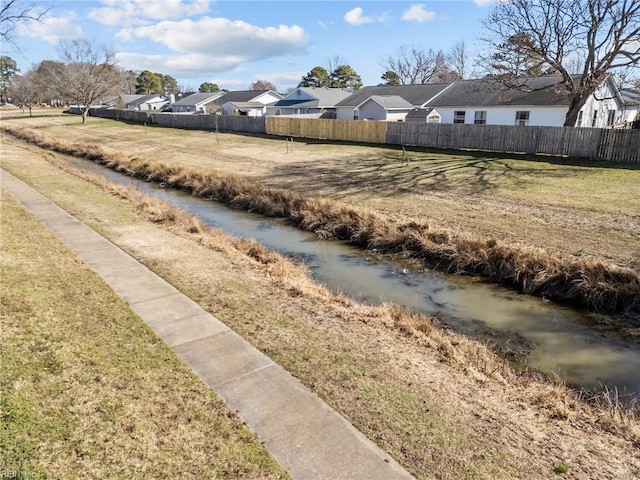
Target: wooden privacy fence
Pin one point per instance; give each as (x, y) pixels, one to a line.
(620, 145)
(210, 122)
(345, 130)
(601, 144)
(188, 121)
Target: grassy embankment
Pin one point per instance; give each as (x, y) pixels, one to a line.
(586, 282)
(88, 391)
(444, 406)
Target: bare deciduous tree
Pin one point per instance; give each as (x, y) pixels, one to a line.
(24, 91)
(458, 59)
(413, 65)
(86, 75)
(14, 12)
(601, 35)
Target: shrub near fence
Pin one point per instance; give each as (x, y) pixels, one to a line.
(601, 144)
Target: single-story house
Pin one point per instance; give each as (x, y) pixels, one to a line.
(542, 101)
(384, 107)
(149, 102)
(391, 109)
(310, 102)
(252, 103)
(198, 103)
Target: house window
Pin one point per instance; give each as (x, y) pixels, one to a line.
(579, 121)
(594, 119)
(522, 118)
(458, 116)
(611, 117)
(480, 118)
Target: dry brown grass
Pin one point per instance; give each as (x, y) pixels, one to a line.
(446, 407)
(588, 283)
(476, 359)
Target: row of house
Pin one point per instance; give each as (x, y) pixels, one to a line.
(250, 102)
(539, 102)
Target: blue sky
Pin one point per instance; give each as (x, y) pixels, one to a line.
(235, 42)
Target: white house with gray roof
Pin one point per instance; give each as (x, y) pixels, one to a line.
(387, 102)
(251, 103)
(197, 103)
(384, 107)
(609, 107)
(309, 102)
(149, 102)
(542, 101)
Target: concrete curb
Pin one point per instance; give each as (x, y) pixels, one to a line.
(306, 436)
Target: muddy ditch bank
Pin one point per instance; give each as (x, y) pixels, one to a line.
(584, 283)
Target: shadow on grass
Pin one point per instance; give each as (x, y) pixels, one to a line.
(549, 159)
(388, 174)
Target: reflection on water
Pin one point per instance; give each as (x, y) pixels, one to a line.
(563, 344)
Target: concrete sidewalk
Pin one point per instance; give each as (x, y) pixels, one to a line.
(308, 438)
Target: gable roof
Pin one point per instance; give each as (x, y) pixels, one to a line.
(198, 99)
(546, 90)
(324, 97)
(389, 102)
(416, 95)
(247, 95)
(630, 97)
(420, 113)
(246, 105)
(137, 100)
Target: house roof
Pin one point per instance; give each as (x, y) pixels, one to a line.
(546, 90)
(420, 112)
(416, 95)
(198, 99)
(247, 105)
(630, 97)
(325, 97)
(136, 100)
(390, 102)
(301, 104)
(247, 95)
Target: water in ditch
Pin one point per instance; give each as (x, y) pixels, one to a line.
(555, 338)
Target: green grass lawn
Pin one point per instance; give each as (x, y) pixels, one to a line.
(88, 391)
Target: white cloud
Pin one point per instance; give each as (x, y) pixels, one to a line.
(210, 45)
(223, 38)
(356, 17)
(52, 29)
(177, 65)
(418, 13)
(128, 12)
(484, 3)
